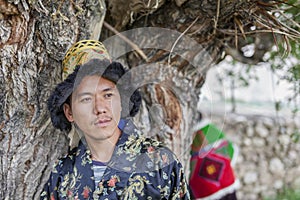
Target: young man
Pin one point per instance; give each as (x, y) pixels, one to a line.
(112, 160)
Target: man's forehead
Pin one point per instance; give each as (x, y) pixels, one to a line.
(95, 82)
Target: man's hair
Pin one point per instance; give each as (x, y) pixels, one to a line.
(115, 72)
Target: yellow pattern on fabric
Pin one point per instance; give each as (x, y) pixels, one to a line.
(82, 52)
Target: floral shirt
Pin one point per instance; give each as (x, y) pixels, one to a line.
(140, 168)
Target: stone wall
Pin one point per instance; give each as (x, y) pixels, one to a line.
(268, 157)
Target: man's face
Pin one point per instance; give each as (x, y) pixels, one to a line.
(95, 108)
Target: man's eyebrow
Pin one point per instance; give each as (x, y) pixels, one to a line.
(83, 94)
(90, 93)
(108, 89)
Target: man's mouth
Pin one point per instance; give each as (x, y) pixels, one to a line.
(102, 122)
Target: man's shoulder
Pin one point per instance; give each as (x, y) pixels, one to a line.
(143, 142)
(67, 160)
(152, 147)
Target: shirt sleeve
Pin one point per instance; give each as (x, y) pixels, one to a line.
(173, 182)
(50, 188)
(179, 186)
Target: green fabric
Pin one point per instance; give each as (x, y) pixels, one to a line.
(212, 134)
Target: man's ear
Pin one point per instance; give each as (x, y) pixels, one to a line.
(68, 112)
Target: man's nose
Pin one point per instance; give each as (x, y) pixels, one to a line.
(100, 106)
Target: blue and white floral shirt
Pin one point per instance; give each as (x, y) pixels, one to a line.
(140, 168)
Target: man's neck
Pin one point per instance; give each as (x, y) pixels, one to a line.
(102, 150)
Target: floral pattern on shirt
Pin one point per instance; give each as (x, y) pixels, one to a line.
(140, 168)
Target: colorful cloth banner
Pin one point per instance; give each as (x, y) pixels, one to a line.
(212, 176)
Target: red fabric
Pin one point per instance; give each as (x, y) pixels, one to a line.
(211, 174)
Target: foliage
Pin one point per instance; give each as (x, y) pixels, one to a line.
(283, 57)
(286, 57)
(286, 194)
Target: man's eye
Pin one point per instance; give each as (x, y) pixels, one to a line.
(108, 95)
(86, 99)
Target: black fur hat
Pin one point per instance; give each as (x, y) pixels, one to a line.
(115, 72)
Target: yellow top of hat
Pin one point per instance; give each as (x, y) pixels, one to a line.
(82, 52)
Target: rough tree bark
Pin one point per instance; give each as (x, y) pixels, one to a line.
(34, 36)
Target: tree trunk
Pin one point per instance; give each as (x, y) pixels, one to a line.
(36, 34)
(34, 38)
